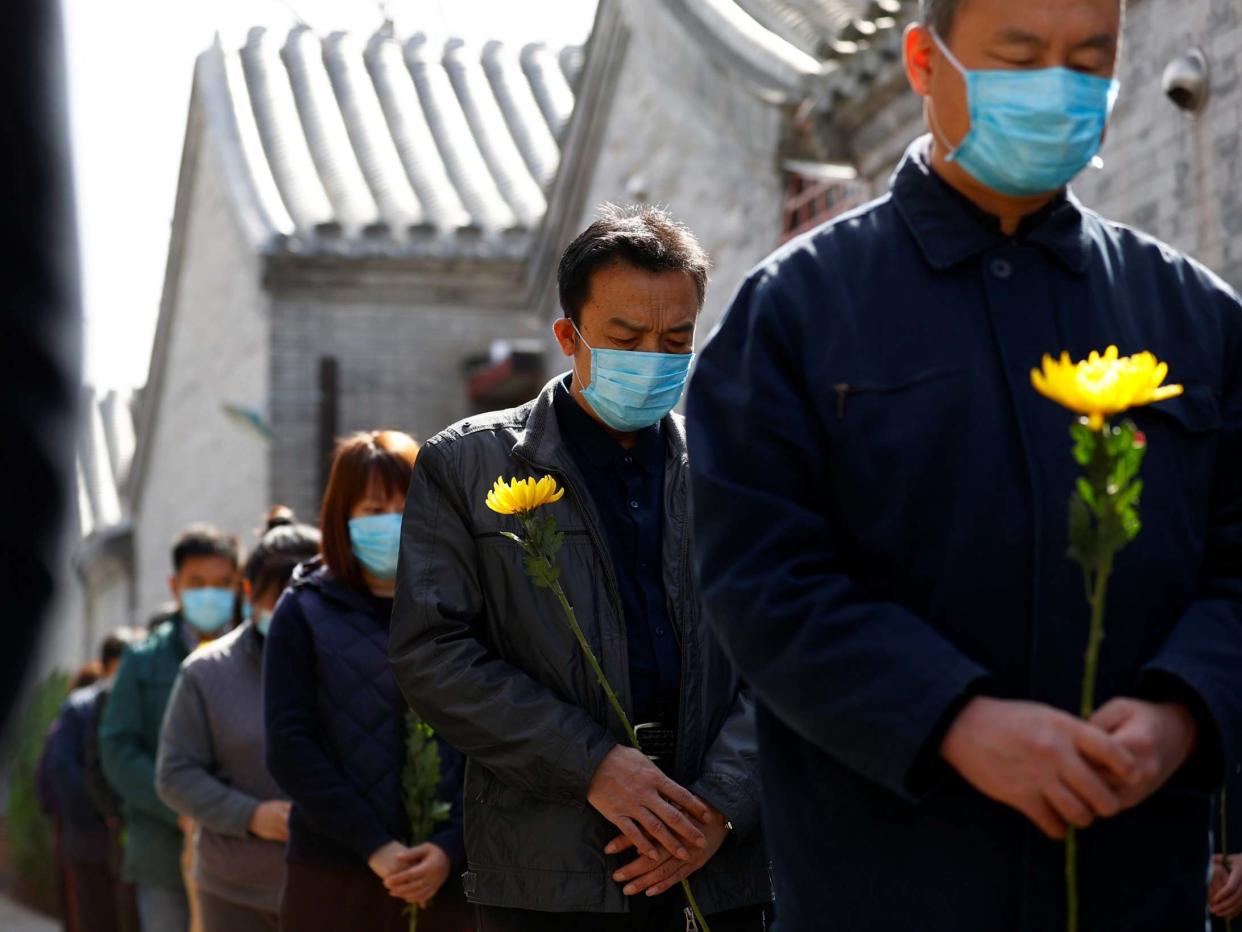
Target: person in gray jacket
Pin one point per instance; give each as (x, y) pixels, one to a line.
(567, 827)
(210, 766)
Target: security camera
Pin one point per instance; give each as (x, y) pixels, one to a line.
(1185, 80)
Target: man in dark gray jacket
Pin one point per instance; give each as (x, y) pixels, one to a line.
(566, 826)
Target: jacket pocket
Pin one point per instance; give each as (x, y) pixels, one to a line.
(845, 390)
(1180, 466)
(1195, 410)
(891, 440)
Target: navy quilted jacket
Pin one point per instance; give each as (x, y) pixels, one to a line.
(336, 726)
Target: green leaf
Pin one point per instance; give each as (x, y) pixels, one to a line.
(513, 537)
(1085, 441)
(1087, 494)
(1128, 498)
(420, 779)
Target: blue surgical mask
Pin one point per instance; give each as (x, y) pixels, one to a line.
(630, 390)
(376, 541)
(208, 608)
(263, 623)
(1030, 132)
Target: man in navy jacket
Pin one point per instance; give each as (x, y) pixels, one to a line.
(880, 515)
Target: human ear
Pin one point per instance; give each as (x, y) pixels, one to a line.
(917, 47)
(566, 336)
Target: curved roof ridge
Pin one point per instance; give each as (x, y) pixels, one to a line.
(367, 129)
(778, 66)
(326, 135)
(415, 144)
(276, 119)
(516, 98)
(550, 84)
(378, 145)
(514, 180)
(466, 165)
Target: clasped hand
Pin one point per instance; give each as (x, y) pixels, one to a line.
(674, 832)
(1060, 771)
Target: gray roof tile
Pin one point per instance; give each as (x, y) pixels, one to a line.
(787, 47)
(105, 451)
(323, 122)
(377, 146)
(280, 132)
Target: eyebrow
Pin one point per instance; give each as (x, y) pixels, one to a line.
(683, 327)
(1014, 36)
(1104, 41)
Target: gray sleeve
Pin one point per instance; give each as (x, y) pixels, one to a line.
(184, 776)
(730, 776)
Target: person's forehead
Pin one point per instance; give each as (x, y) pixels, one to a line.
(1015, 20)
(377, 490)
(625, 292)
(206, 565)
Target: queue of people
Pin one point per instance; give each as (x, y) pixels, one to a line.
(834, 600)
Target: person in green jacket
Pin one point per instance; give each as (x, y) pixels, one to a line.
(205, 565)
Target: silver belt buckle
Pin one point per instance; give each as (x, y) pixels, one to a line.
(638, 733)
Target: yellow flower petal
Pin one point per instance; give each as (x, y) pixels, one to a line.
(1105, 384)
(522, 496)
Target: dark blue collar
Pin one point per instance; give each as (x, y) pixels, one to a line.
(586, 436)
(950, 229)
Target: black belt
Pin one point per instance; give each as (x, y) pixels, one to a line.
(657, 741)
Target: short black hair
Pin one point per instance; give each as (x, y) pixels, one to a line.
(645, 237)
(117, 641)
(203, 540)
(939, 14)
(282, 548)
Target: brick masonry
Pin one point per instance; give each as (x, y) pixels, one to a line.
(399, 367)
(1175, 175)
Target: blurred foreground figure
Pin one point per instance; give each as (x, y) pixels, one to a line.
(39, 328)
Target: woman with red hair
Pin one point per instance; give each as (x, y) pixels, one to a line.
(336, 721)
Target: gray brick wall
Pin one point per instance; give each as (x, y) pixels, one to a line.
(1174, 175)
(399, 367)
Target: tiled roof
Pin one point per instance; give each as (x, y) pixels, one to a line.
(797, 49)
(104, 453)
(377, 145)
(827, 29)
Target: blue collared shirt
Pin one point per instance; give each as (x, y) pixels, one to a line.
(627, 487)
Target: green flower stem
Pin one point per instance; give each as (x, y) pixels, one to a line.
(555, 585)
(559, 592)
(1099, 596)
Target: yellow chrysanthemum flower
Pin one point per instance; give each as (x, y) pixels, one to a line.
(1103, 385)
(521, 496)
